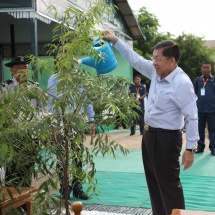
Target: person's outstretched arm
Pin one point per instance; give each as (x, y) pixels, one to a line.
(142, 65)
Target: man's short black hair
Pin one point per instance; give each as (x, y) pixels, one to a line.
(170, 49)
(206, 62)
(137, 76)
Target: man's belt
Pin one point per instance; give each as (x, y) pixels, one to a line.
(157, 130)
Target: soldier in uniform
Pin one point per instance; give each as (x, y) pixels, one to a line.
(18, 68)
(18, 173)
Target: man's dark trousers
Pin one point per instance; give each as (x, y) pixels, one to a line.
(161, 152)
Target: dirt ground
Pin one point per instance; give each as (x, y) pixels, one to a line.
(132, 142)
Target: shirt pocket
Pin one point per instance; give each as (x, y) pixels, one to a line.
(164, 103)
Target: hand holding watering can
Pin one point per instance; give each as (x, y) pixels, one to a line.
(106, 61)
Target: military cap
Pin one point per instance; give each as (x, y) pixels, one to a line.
(16, 61)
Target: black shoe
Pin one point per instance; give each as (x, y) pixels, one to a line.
(131, 134)
(81, 195)
(199, 151)
(213, 153)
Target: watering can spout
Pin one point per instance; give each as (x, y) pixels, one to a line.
(87, 61)
(106, 62)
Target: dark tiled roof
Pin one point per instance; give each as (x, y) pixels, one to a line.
(210, 43)
(130, 19)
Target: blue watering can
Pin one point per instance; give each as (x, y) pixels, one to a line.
(106, 62)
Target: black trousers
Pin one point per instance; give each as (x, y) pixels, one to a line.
(140, 121)
(210, 119)
(119, 122)
(161, 152)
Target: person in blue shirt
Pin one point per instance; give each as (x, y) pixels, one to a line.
(171, 100)
(138, 90)
(76, 185)
(205, 90)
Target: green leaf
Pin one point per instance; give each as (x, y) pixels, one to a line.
(9, 193)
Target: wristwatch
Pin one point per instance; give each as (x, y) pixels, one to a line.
(192, 150)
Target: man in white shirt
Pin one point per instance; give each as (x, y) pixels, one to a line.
(171, 99)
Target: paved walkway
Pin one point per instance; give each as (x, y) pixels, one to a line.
(96, 209)
(100, 213)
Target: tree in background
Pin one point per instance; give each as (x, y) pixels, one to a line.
(149, 25)
(193, 53)
(193, 49)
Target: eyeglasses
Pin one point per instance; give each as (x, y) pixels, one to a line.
(157, 59)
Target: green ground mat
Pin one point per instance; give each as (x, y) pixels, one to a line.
(123, 182)
(204, 164)
(121, 189)
(131, 163)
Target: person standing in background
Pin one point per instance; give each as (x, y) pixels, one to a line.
(21, 168)
(76, 186)
(139, 91)
(205, 90)
(19, 171)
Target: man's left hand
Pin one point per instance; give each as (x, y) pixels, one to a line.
(187, 159)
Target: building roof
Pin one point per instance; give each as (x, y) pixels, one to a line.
(20, 18)
(130, 19)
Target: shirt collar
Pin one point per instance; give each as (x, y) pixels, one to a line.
(15, 82)
(171, 76)
(211, 76)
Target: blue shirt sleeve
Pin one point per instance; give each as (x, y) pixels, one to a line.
(90, 113)
(52, 91)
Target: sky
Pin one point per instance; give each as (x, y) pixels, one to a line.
(195, 17)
